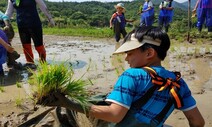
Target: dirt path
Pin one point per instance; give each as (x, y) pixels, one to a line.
(93, 58)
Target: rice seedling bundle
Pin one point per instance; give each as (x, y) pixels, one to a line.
(49, 79)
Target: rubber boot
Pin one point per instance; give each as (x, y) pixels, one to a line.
(199, 29)
(42, 53)
(27, 48)
(167, 29)
(210, 29)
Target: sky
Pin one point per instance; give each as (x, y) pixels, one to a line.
(180, 1)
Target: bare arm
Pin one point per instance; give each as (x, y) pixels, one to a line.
(10, 9)
(111, 24)
(44, 9)
(194, 117)
(6, 46)
(197, 3)
(112, 113)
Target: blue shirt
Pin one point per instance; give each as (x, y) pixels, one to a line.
(134, 82)
(3, 52)
(3, 16)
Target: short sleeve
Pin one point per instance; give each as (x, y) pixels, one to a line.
(188, 100)
(123, 91)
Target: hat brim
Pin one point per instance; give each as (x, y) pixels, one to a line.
(127, 46)
(115, 6)
(134, 44)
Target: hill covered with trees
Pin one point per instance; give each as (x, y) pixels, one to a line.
(96, 14)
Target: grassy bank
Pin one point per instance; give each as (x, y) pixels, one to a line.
(89, 32)
(178, 34)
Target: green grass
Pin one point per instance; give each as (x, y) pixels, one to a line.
(2, 89)
(88, 32)
(18, 102)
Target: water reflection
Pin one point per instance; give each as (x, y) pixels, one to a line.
(77, 64)
(118, 61)
(12, 77)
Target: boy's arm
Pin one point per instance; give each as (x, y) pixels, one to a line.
(194, 117)
(6, 46)
(112, 113)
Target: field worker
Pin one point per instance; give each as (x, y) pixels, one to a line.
(166, 14)
(204, 14)
(29, 27)
(118, 22)
(8, 30)
(147, 13)
(4, 49)
(145, 94)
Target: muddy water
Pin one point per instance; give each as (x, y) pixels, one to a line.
(93, 59)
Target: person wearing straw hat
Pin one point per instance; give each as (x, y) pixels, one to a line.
(145, 94)
(118, 21)
(203, 8)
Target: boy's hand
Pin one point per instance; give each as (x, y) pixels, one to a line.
(62, 101)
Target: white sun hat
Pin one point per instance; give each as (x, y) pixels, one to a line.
(133, 43)
(121, 5)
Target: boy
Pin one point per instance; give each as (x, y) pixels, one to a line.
(118, 21)
(147, 93)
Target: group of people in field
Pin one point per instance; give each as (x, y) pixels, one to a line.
(146, 93)
(165, 17)
(146, 11)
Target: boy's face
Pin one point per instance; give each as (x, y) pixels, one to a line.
(136, 58)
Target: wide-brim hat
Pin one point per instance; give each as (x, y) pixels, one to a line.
(133, 43)
(121, 5)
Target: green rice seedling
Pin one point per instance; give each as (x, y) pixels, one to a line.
(2, 89)
(49, 79)
(18, 84)
(18, 102)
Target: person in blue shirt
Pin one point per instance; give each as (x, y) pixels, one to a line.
(147, 13)
(146, 93)
(6, 28)
(5, 49)
(204, 14)
(166, 14)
